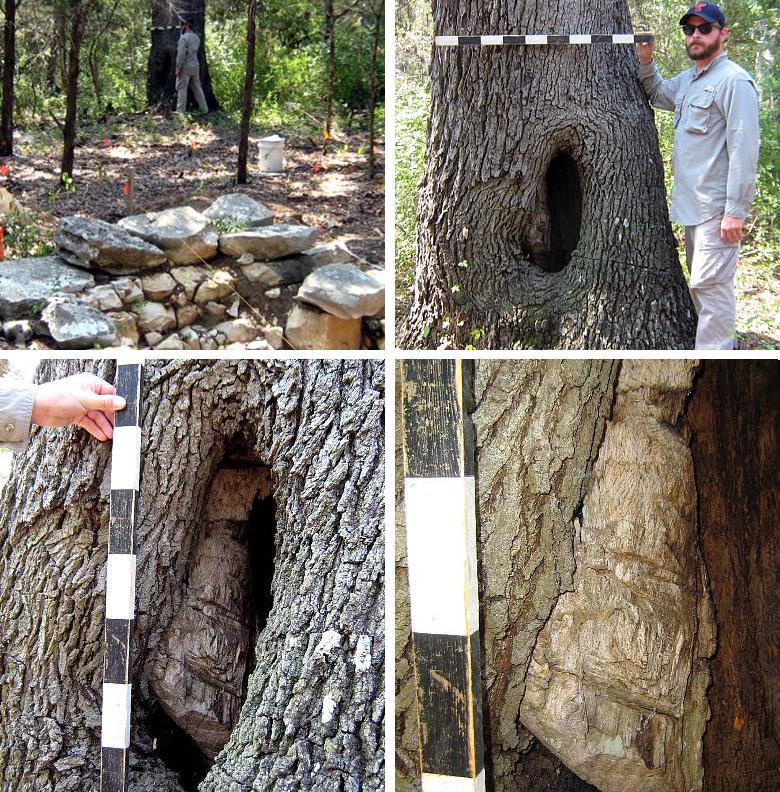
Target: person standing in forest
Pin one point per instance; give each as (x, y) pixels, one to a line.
(188, 69)
(716, 143)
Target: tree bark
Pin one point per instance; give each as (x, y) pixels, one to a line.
(313, 704)
(9, 71)
(78, 21)
(733, 421)
(161, 71)
(249, 79)
(542, 214)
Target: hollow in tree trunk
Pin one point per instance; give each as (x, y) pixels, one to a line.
(627, 555)
(542, 215)
(259, 632)
(161, 69)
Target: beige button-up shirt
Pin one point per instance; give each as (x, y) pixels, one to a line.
(187, 53)
(16, 405)
(716, 138)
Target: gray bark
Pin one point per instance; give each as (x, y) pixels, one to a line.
(542, 214)
(316, 428)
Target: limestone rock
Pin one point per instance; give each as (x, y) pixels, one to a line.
(155, 317)
(273, 294)
(107, 299)
(332, 253)
(241, 210)
(274, 336)
(153, 338)
(344, 291)
(126, 328)
(171, 342)
(214, 311)
(618, 677)
(74, 325)
(158, 286)
(187, 314)
(185, 235)
(270, 242)
(269, 274)
(310, 328)
(218, 285)
(128, 290)
(7, 202)
(94, 244)
(190, 278)
(245, 259)
(238, 330)
(26, 285)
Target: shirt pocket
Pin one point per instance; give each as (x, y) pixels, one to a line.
(697, 119)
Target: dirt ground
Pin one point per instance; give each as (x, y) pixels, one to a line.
(179, 161)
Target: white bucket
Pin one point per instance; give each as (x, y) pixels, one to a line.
(271, 154)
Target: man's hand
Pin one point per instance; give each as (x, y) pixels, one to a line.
(731, 229)
(645, 51)
(83, 400)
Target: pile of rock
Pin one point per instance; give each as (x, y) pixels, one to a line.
(170, 280)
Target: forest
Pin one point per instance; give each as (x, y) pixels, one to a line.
(753, 43)
(89, 90)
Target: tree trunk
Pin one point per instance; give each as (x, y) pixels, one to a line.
(9, 70)
(161, 71)
(330, 41)
(542, 215)
(249, 79)
(379, 15)
(77, 23)
(597, 577)
(733, 419)
(260, 585)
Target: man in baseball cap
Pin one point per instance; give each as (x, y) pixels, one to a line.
(716, 141)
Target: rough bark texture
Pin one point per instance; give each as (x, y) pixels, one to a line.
(618, 679)
(314, 706)
(161, 69)
(78, 21)
(542, 216)
(734, 421)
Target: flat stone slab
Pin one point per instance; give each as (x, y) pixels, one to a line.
(267, 274)
(186, 236)
(268, 243)
(240, 209)
(74, 325)
(93, 244)
(344, 291)
(26, 285)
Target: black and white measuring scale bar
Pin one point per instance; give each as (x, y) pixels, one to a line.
(544, 39)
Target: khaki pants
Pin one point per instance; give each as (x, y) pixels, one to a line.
(712, 264)
(185, 81)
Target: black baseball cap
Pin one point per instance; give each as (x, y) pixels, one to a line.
(707, 11)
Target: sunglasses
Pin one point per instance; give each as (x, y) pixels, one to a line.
(705, 29)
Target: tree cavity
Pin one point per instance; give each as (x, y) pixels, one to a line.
(555, 228)
(200, 673)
